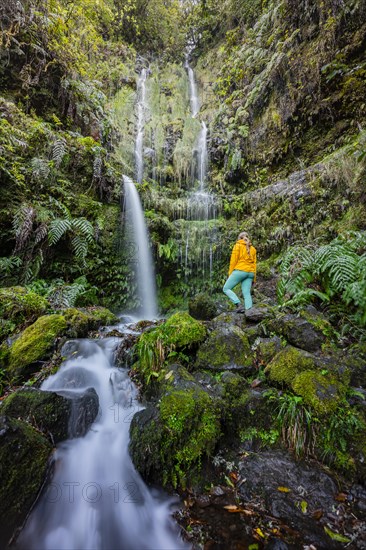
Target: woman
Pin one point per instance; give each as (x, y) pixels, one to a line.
(243, 267)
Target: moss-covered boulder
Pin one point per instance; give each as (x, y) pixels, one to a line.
(156, 347)
(82, 320)
(168, 442)
(226, 348)
(24, 454)
(304, 331)
(288, 363)
(36, 343)
(57, 416)
(266, 349)
(19, 306)
(202, 307)
(322, 392)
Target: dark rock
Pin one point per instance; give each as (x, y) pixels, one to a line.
(202, 307)
(266, 349)
(59, 416)
(257, 314)
(226, 348)
(228, 318)
(24, 454)
(298, 331)
(123, 354)
(282, 484)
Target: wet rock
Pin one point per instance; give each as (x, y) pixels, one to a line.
(123, 354)
(266, 349)
(228, 318)
(300, 331)
(57, 416)
(24, 454)
(226, 348)
(202, 307)
(257, 314)
(282, 485)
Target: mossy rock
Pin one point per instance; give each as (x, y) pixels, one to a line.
(18, 306)
(308, 333)
(36, 343)
(82, 320)
(24, 454)
(226, 348)
(155, 347)
(169, 442)
(322, 392)
(202, 307)
(266, 349)
(51, 413)
(288, 363)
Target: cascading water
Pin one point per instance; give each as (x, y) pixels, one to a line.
(141, 108)
(141, 257)
(201, 204)
(96, 499)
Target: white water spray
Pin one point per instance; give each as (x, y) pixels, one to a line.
(96, 499)
(141, 257)
(141, 108)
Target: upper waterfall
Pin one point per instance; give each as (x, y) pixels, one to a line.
(141, 108)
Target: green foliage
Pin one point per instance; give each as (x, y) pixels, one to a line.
(335, 272)
(155, 347)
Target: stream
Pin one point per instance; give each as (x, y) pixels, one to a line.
(96, 500)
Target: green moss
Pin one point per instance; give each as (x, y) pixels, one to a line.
(24, 454)
(81, 321)
(322, 392)
(154, 347)
(225, 347)
(190, 430)
(35, 343)
(287, 364)
(19, 305)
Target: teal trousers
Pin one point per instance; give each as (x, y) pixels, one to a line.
(246, 279)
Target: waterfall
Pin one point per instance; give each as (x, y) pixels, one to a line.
(141, 108)
(141, 260)
(96, 500)
(201, 206)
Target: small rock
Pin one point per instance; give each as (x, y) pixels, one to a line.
(203, 501)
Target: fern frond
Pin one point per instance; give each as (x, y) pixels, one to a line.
(8, 264)
(84, 227)
(58, 151)
(23, 225)
(40, 233)
(40, 168)
(97, 168)
(57, 229)
(65, 211)
(80, 248)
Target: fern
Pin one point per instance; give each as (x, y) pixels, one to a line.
(58, 152)
(40, 168)
(23, 225)
(57, 229)
(63, 296)
(7, 265)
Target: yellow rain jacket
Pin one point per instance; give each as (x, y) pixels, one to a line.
(241, 260)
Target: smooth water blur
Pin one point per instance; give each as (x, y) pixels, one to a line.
(141, 257)
(96, 500)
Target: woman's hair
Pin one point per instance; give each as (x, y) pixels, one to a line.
(245, 237)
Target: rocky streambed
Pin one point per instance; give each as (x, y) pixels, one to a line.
(257, 421)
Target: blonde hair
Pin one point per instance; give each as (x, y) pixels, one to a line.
(245, 237)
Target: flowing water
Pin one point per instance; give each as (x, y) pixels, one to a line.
(96, 500)
(141, 108)
(200, 234)
(137, 238)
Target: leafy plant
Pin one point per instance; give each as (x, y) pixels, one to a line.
(335, 272)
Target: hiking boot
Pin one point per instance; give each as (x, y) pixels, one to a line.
(240, 309)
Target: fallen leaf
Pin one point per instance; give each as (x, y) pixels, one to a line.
(259, 532)
(304, 506)
(317, 514)
(231, 507)
(284, 489)
(335, 536)
(167, 376)
(233, 476)
(341, 497)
